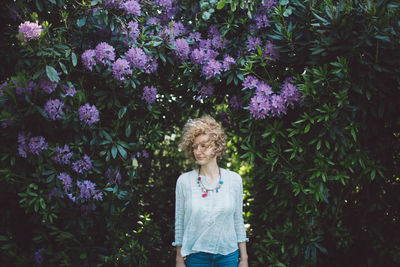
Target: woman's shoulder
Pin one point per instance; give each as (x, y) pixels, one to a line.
(184, 176)
(232, 175)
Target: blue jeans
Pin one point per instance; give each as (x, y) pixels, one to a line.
(203, 259)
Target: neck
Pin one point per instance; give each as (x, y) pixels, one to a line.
(210, 169)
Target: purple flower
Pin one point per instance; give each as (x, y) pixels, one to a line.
(212, 68)
(121, 68)
(63, 155)
(149, 94)
(235, 102)
(104, 53)
(66, 181)
(262, 21)
(252, 43)
(88, 191)
(217, 42)
(213, 31)
(2, 86)
(89, 114)
(133, 30)
(82, 165)
(136, 57)
(145, 154)
(69, 91)
(153, 21)
(197, 56)
(268, 3)
(111, 3)
(182, 48)
(89, 59)
(270, 52)
(71, 197)
(30, 30)
(7, 123)
(249, 82)
(205, 91)
(38, 256)
(53, 193)
(259, 106)
(53, 109)
(211, 54)
(194, 36)
(46, 85)
(228, 61)
(151, 65)
(37, 144)
(263, 89)
(23, 146)
(131, 7)
(278, 106)
(205, 44)
(290, 93)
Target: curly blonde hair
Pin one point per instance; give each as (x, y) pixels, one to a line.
(204, 125)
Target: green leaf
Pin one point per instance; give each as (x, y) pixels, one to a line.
(122, 151)
(52, 1)
(74, 59)
(39, 5)
(63, 68)
(52, 74)
(221, 4)
(81, 22)
(128, 130)
(114, 151)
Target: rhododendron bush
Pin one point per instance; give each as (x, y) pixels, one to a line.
(94, 93)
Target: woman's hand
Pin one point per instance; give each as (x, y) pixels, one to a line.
(180, 264)
(243, 263)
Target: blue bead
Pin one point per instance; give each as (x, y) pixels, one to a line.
(221, 182)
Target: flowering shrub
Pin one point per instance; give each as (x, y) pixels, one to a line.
(100, 90)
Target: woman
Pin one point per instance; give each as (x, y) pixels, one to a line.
(209, 227)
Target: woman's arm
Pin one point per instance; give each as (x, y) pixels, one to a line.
(243, 255)
(180, 262)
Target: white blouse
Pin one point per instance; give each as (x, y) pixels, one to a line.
(214, 223)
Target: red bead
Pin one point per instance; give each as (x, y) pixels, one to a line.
(199, 179)
(205, 194)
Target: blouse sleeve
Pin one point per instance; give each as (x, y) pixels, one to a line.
(179, 212)
(238, 215)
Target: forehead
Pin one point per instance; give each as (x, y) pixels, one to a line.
(201, 139)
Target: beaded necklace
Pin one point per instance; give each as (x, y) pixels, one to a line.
(204, 189)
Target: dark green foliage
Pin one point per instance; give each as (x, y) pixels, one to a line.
(321, 182)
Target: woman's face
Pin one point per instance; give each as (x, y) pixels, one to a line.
(203, 149)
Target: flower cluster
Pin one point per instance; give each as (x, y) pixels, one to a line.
(204, 91)
(37, 144)
(89, 59)
(38, 256)
(22, 145)
(47, 86)
(131, 7)
(88, 114)
(88, 191)
(265, 102)
(53, 109)
(19, 89)
(30, 30)
(66, 181)
(62, 155)
(104, 53)
(182, 48)
(136, 57)
(69, 91)
(149, 94)
(121, 68)
(82, 165)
